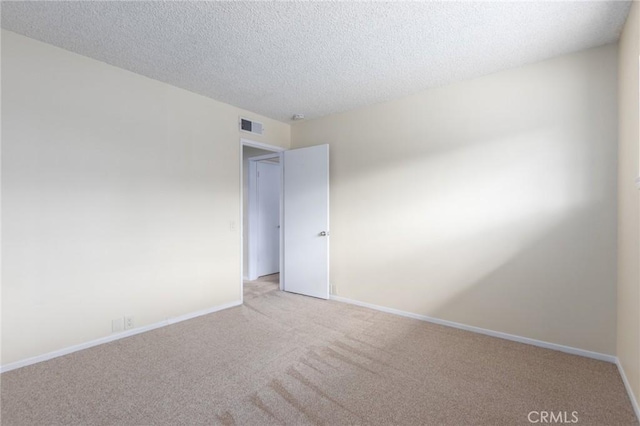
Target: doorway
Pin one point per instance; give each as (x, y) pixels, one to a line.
(263, 211)
(261, 205)
(294, 247)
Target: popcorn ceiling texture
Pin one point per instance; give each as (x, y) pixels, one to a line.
(278, 59)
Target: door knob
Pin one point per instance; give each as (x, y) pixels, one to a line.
(324, 234)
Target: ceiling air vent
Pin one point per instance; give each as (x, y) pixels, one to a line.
(251, 126)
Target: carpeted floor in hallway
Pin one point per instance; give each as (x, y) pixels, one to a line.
(282, 358)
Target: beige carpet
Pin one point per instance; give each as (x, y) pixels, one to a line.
(288, 359)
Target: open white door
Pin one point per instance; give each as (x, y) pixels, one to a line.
(306, 221)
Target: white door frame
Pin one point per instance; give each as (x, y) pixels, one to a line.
(277, 151)
(252, 212)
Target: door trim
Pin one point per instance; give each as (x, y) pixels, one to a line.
(266, 147)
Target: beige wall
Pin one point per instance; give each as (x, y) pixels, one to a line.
(118, 193)
(629, 203)
(490, 202)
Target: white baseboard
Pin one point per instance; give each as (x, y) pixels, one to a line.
(113, 337)
(554, 346)
(520, 339)
(627, 385)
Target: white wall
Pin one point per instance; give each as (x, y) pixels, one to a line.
(118, 193)
(490, 202)
(629, 203)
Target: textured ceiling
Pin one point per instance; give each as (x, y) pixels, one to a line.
(315, 58)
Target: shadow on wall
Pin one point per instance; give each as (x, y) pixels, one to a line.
(488, 202)
(515, 235)
(540, 278)
(550, 289)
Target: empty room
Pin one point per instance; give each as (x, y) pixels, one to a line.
(320, 213)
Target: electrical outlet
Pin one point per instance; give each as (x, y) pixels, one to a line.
(232, 225)
(117, 325)
(332, 289)
(128, 322)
